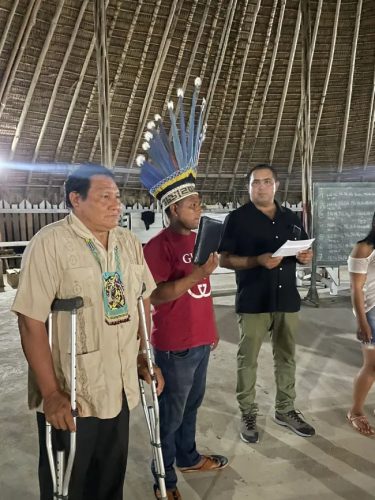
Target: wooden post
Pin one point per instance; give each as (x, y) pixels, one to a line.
(100, 24)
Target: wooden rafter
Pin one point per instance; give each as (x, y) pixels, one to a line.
(286, 85)
(269, 76)
(180, 54)
(59, 78)
(226, 88)
(328, 73)
(5, 32)
(238, 90)
(35, 78)
(296, 133)
(137, 79)
(253, 93)
(350, 87)
(17, 52)
(75, 95)
(304, 130)
(370, 127)
(231, 10)
(113, 86)
(104, 115)
(193, 54)
(211, 36)
(158, 66)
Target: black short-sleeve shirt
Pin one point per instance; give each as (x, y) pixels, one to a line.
(249, 232)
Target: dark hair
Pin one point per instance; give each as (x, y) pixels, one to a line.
(370, 238)
(262, 166)
(79, 180)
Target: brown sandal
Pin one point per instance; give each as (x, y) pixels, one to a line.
(360, 424)
(171, 494)
(209, 463)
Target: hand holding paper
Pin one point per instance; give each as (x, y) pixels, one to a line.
(292, 248)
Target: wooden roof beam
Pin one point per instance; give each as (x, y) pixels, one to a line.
(286, 86)
(350, 87)
(269, 76)
(137, 79)
(181, 53)
(59, 78)
(255, 89)
(226, 87)
(370, 127)
(35, 78)
(158, 66)
(8, 24)
(296, 133)
(192, 57)
(113, 86)
(104, 113)
(238, 90)
(328, 73)
(17, 52)
(76, 94)
(231, 9)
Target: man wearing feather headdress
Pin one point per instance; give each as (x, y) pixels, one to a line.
(184, 324)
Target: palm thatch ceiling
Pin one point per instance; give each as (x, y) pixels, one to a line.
(248, 54)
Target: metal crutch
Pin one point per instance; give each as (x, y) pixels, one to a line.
(60, 473)
(151, 411)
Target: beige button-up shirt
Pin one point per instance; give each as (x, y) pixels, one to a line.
(57, 263)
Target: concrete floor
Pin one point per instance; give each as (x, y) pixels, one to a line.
(336, 463)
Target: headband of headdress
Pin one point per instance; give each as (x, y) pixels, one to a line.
(170, 170)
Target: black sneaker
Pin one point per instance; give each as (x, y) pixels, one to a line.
(249, 432)
(293, 420)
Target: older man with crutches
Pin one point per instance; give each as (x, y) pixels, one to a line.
(88, 255)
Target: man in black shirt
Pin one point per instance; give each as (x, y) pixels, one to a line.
(267, 299)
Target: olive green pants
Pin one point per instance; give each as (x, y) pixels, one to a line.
(282, 329)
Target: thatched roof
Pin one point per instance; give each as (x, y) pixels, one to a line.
(248, 54)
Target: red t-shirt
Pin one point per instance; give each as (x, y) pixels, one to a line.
(189, 320)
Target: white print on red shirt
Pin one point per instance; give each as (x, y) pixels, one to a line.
(187, 258)
(200, 290)
(204, 290)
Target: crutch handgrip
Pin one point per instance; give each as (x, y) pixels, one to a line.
(67, 305)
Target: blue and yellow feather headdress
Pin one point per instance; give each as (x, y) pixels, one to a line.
(170, 170)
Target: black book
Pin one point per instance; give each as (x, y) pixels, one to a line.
(207, 240)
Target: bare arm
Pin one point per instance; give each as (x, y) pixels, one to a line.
(357, 282)
(172, 290)
(56, 404)
(239, 263)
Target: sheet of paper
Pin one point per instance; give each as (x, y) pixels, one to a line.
(291, 248)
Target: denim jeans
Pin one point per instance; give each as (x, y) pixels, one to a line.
(371, 321)
(185, 383)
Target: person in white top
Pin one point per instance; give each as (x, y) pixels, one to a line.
(361, 265)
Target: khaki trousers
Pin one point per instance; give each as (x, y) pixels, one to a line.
(282, 329)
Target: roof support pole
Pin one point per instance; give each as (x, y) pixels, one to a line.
(370, 128)
(226, 89)
(254, 91)
(104, 115)
(350, 87)
(296, 134)
(238, 90)
(17, 52)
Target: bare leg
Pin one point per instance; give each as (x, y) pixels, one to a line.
(362, 384)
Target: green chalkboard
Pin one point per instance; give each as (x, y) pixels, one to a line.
(342, 215)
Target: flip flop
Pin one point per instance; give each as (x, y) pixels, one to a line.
(209, 463)
(360, 419)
